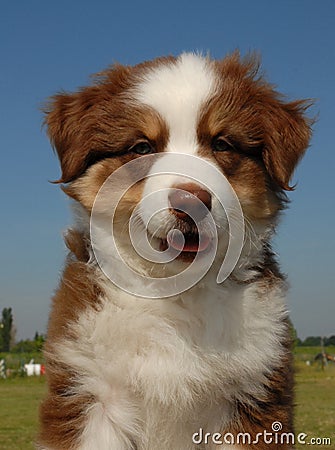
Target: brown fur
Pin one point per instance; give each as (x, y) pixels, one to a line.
(99, 122)
(62, 414)
(277, 405)
(257, 118)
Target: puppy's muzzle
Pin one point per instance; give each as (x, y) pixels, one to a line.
(187, 200)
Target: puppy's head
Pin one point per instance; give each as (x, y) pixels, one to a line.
(219, 112)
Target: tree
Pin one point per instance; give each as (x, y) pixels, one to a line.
(312, 341)
(294, 335)
(6, 326)
(39, 340)
(298, 342)
(330, 340)
(29, 346)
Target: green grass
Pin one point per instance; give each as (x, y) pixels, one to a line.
(315, 399)
(19, 400)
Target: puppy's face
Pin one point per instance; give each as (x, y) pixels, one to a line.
(208, 114)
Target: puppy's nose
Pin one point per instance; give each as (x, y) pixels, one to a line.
(187, 200)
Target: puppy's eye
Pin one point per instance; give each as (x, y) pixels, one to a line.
(219, 144)
(142, 148)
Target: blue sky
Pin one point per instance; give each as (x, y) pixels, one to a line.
(48, 46)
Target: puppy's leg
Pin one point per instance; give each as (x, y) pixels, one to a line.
(76, 420)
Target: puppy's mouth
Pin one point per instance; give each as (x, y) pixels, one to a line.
(188, 244)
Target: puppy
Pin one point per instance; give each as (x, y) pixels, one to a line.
(187, 154)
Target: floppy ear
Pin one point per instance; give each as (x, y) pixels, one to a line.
(286, 136)
(66, 115)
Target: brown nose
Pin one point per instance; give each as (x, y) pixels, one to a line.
(184, 201)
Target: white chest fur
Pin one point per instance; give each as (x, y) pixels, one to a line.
(162, 368)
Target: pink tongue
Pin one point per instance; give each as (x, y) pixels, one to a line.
(191, 243)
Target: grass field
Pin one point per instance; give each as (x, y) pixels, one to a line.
(315, 399)
(315, 412)
(19, 400)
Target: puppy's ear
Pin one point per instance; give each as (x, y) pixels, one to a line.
(66, 115)
(286, 136)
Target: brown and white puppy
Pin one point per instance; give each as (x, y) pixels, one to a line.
(127, 372)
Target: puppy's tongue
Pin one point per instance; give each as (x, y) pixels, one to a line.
(191, 244)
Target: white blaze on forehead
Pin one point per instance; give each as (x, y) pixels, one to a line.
(177, 90)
